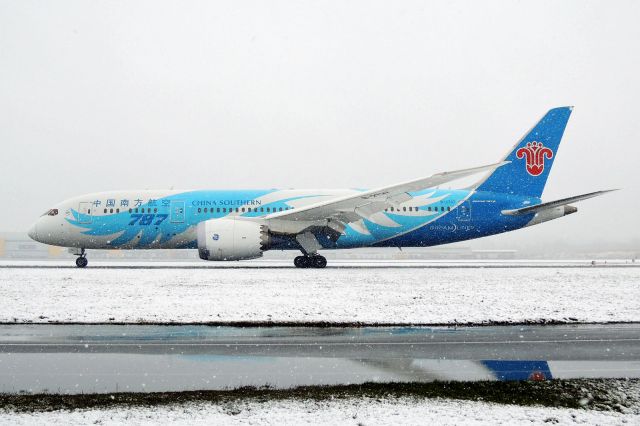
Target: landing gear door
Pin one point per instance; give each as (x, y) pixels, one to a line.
(464, 211)
(177, 211)
(84, 212)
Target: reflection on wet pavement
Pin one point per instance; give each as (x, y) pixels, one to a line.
(111, 358)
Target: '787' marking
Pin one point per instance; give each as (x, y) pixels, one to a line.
(147, 219)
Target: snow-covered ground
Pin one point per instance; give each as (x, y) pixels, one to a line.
(340, 263)
(364, 411)
(369, 295)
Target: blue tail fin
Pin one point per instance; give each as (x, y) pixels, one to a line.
(531, 158)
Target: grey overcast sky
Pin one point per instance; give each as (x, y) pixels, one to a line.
(100, 95)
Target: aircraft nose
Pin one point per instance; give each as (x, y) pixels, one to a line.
(33, 232)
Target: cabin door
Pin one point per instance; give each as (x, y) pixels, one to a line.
(464, 211)
(84, 212)
(177, 211)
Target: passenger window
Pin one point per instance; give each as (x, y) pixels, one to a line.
(117, 210)
(111, 211)
(199, 209)
(261, 209)
(428, 208)
(268, 209)
(136, 210)
(441, 209)
(155, 210)
(89, 211)
(448, 209)
(404, 209)
(130, 210)
(105, 210)
(218, 210)
(243, 210)
(280, 209)
(206, 209)
(236, 210)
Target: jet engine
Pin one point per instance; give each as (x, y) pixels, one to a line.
(231, 239)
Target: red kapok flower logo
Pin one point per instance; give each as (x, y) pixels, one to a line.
(534, 154)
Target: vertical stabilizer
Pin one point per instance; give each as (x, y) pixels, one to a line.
(531, 158)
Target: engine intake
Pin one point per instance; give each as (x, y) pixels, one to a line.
(231, 239)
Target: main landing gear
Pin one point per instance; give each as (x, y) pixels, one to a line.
(310, 261)
(309, 247)
(81, 260)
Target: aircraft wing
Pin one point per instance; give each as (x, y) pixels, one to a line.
(363, 205)
(552, 204)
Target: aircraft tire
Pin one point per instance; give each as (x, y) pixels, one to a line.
(81, 262)
(315, 261)
(319, 261)
(301, 262)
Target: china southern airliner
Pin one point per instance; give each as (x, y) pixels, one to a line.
(242, 224)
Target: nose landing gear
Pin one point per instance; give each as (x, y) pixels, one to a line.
(81, 260)
(310, 261)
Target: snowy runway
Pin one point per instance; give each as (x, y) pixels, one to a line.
(405, 295)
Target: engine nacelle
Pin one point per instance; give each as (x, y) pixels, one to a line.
(231, 239)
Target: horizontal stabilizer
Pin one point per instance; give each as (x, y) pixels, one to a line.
(552, 204)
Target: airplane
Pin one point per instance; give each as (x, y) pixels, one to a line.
(229, 225)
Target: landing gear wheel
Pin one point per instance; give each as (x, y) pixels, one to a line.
(301, 262)
(315, 261)
(81, 262)
(318, 261)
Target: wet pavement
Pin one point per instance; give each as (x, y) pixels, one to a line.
(110, 358)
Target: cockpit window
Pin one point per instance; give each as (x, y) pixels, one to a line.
(52, 212)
